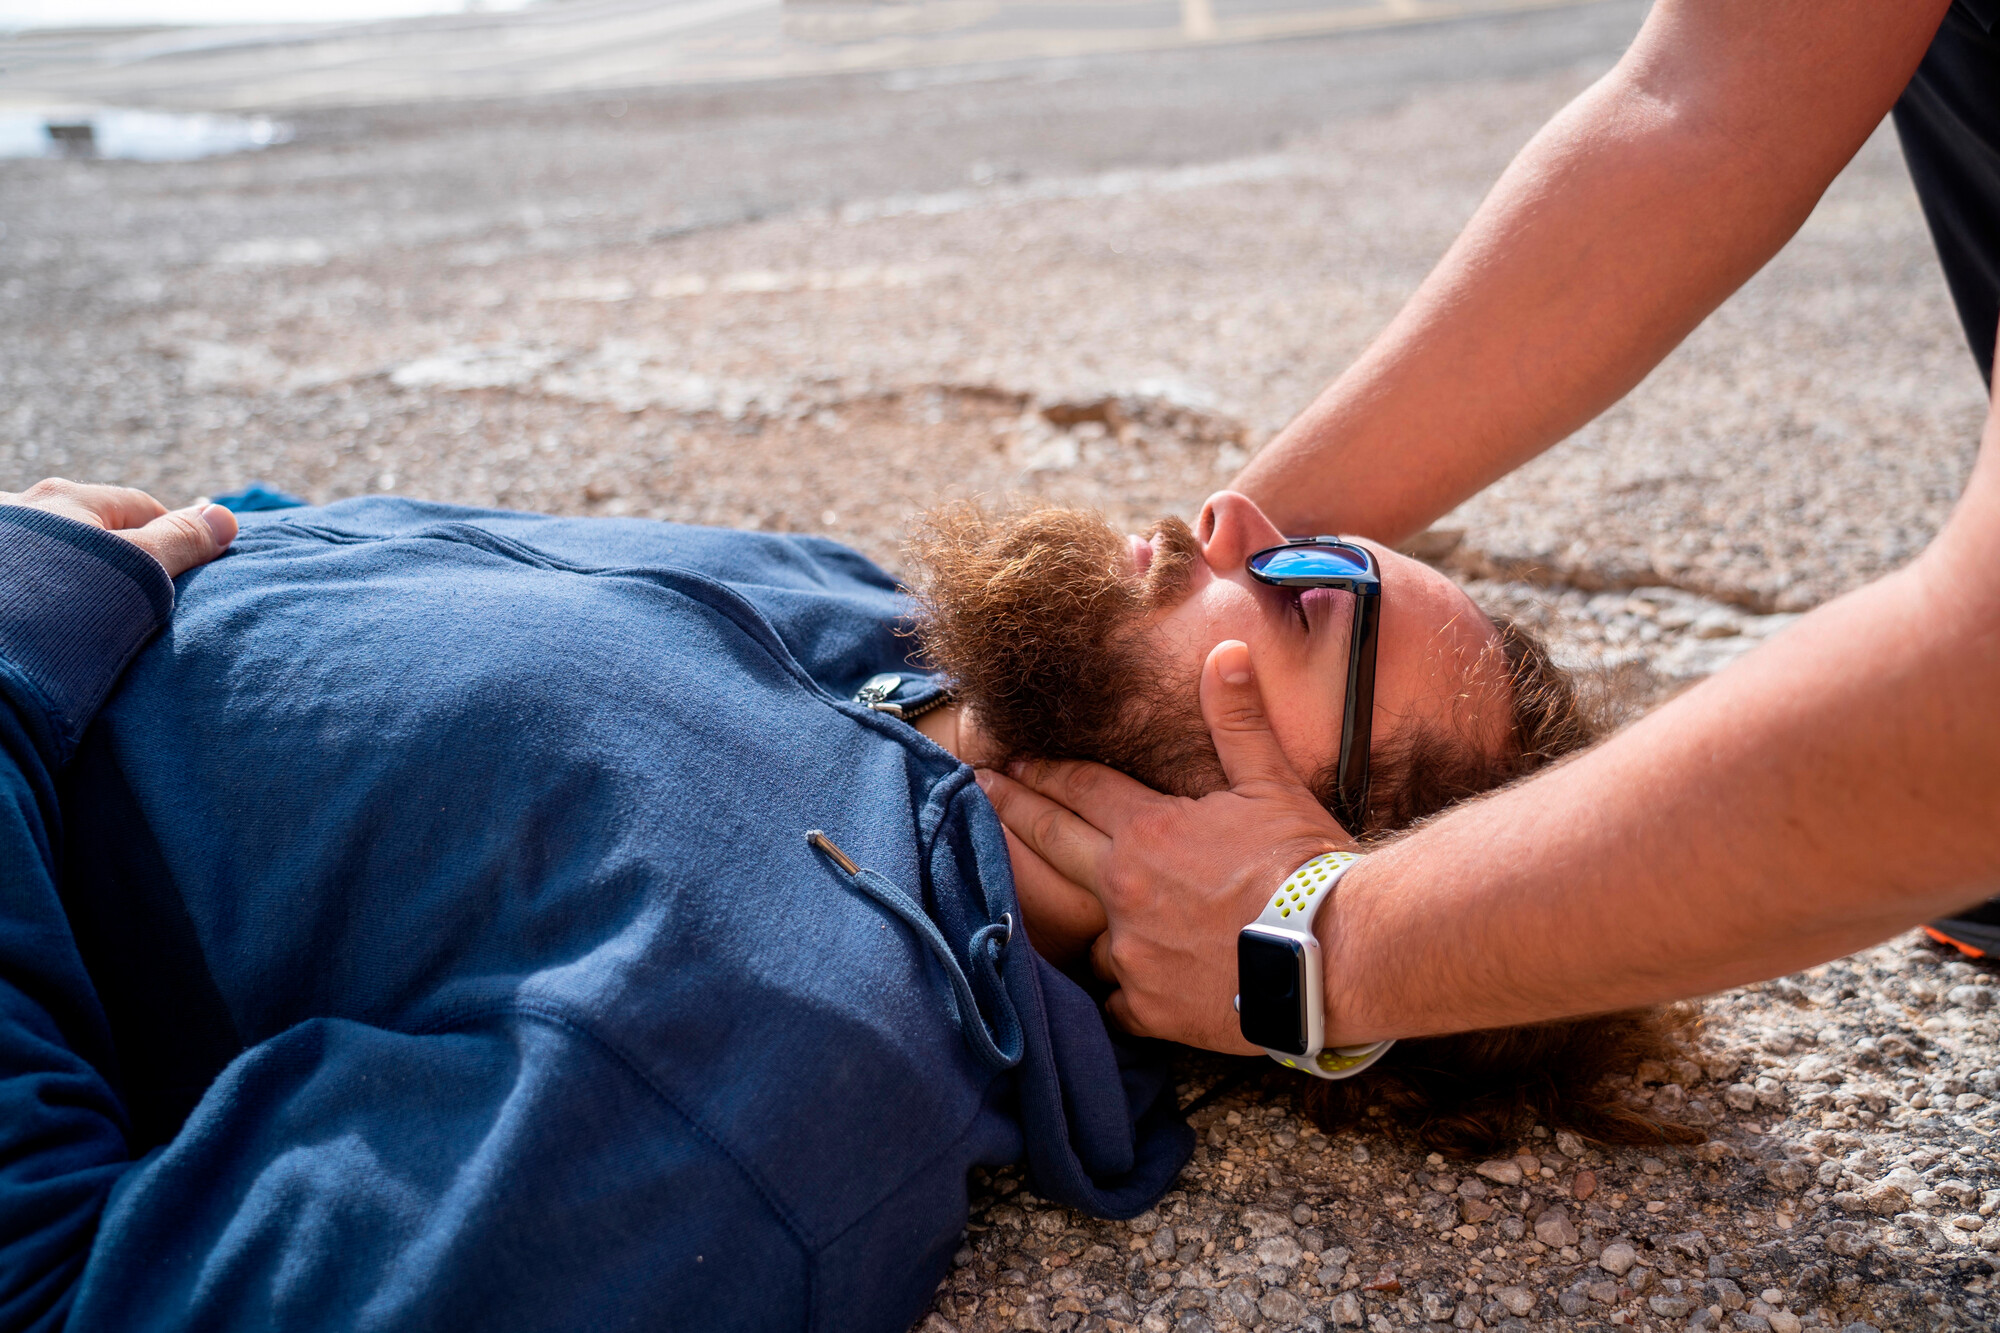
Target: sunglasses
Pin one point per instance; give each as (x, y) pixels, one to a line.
(1329, 562)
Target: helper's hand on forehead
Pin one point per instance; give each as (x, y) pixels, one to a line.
(1177, 878)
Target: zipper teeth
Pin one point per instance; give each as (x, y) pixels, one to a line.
(938, 700)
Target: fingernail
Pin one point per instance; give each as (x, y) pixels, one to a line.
(1233, 662)
(983, 778)
(220, 522)
(1018, 769)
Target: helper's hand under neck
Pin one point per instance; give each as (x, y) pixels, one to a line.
(1176, 878)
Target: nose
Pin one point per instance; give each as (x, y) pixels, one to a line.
(1232, 529)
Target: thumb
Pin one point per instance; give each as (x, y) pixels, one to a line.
(1233, 707)
(186, 537)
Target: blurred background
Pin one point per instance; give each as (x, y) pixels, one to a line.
(813, 266)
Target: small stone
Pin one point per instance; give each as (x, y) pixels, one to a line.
(1652, 1166)
(1568, 1144)
(1472, 1189)
(1584, 1185)
(1474, 1211)
(1193, 1321)
(1282, 1308)
(1262, 1225)
(1740, 1096)
(1031, 1318)
(1359, 1156)
(1604, 1293)
(1500, 1172)
(1280, 1250)
(1163, 1243)
(1885, 1198)
(1860, 1326)
(1770, 1092)
(1345, 1310)
(1970, 997)
(1145, 1223)
(1670, 1307)
(1573, 1302)
(1782, 1321)
(1787, 1175)
(1617, 1258)
(1437, 1308)
(1554, 1229)
(1385, 1282)
(1691, 1243)
(1750, 1323)
(1517, 1300)
(1239, 1302)
(1650, 1071)
(1302, 1215)
(1723, 1292)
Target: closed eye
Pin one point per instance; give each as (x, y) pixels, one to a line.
(1299, 610)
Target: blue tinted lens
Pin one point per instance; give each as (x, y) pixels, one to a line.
(1309, 562)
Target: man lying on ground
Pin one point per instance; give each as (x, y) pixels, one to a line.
(459, 918)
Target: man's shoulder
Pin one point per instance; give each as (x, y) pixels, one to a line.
(777, 559)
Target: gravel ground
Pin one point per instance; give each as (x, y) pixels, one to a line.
(1848, 1183)
(822, 306)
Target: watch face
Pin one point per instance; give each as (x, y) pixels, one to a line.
(1270, 980)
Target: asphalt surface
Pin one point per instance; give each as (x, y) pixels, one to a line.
(824, 303)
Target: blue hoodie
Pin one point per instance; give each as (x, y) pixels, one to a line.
(425, 934)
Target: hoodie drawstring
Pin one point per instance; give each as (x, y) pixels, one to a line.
(985, 948)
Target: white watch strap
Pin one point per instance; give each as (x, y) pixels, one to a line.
(1299, 897)
(1292, 909)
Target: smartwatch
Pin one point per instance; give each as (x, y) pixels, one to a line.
(1278, 977)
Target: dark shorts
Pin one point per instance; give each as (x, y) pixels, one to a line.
(1949, 122)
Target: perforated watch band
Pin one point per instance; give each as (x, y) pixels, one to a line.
(1291, 911)
(1299, 897)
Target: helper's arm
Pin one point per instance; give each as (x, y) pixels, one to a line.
(1833, 787)
(1625, 221)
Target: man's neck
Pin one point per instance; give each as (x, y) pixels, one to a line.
(951, 726)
